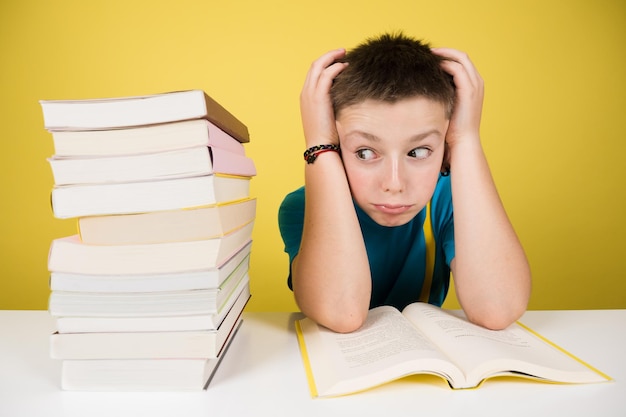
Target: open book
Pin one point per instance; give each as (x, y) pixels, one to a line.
(425, 339)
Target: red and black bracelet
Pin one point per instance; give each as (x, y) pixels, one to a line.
(311, 154)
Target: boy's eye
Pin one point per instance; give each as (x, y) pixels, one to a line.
(420, 153)
(365, 154)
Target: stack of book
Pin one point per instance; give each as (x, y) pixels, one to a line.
(149, 293)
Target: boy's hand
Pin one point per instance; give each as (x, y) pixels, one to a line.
(318, 120)
(465, 120)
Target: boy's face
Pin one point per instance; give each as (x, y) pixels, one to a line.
(392, 153)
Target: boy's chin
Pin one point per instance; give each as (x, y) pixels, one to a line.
(392, 221)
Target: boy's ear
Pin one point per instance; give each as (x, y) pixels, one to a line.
(445, 164)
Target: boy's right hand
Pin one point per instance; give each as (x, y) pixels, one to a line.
(318, 119)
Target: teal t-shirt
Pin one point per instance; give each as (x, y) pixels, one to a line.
(397, 255)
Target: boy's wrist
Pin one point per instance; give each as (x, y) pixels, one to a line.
(311, 154)
(467, 141)
(464, 150)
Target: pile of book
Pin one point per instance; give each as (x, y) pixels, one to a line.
(149, 293)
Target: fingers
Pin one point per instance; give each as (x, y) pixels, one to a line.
(465, 121)
(324, 69)
(316, 109)
(459, 65)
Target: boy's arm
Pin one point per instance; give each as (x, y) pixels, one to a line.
(330, 275)
(491, 272)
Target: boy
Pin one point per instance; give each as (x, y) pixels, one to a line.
(392, 139)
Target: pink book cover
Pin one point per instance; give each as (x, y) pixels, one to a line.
(220, 139)
(227, 162)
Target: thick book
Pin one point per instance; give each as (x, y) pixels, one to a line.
(167, 226)
(139, 197)
(144, 139)
(69, 254)
(83, 324)
(180, 163)
(119, 112)
(157, 304)
(194, 344)
(424, 339)
(142, 374)
(175, 281)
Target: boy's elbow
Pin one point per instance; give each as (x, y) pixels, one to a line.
(340, 320)
(497, 318)
(340, 314)
(492, 323)
(346, 324)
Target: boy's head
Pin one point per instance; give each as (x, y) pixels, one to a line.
(392, 105)
(389, 68)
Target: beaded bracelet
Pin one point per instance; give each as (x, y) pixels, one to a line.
(311, 154)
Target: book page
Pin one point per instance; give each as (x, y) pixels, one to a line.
(387, 347)
(482, 353)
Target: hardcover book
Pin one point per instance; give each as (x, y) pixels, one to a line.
(117, 112)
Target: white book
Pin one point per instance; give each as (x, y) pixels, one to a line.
(141, 374)
(144, 139)
(193, 344)
(190, 162)
(174, 281)
(425, 339)
(180, 163)
(138, 197)
(69, 254)
(158, 304)
(167, 226)
(80, 324)
(119, 112)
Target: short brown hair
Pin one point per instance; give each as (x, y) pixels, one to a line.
(389, 68)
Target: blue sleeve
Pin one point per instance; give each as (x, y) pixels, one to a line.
(290, 223)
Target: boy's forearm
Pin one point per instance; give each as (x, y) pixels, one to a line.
(331, 277)
(491, 272)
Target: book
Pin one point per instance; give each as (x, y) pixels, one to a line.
(180, 163)
(167, 226)
(69, 254)
(190, 344)
(143, 139)
(427, 339)
(174, 281)
(83, 324)
(138, 197)
(149, 304)
(118, 112)
(142, 374)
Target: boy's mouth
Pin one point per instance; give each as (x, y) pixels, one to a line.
(392, 208)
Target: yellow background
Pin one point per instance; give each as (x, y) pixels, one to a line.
(554, 124)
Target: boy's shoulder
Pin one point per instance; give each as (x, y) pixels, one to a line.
(293, 201)
(294, 196)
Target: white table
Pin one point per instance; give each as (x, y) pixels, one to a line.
(262, 374)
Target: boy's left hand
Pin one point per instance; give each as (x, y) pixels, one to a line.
(465, 120)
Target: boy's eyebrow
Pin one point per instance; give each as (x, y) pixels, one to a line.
(415, 138)
(368, 136)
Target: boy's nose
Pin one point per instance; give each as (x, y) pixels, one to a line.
(393, 179)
